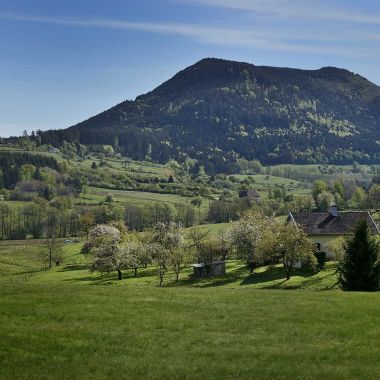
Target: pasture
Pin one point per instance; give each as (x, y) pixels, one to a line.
(123, 197)
(262, 183)
(143, 168)
(68, 323)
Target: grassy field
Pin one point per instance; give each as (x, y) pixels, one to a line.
(19, 260)
(65, 331)
(344, 168)
(67, 323)
(97, 194)
(14, 204)
(214, 229)
(263, 182)
(145, 169)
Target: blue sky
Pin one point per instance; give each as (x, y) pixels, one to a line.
(63, 61)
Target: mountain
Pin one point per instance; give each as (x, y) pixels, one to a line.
(217, 111)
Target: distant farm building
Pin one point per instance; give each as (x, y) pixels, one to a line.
(53, 150)
(251, 194)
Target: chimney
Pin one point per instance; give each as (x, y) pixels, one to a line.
(334, 210)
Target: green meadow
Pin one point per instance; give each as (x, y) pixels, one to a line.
(123, 197)
(262, 183)
(68, 323)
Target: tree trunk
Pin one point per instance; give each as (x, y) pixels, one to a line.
(289, 268)
(50, 259)
(119, 274)
(177, 276)
(135, 272)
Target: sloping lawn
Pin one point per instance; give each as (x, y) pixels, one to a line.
(67, 323)
(69, 331)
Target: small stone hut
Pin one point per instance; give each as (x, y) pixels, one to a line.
(217, 268)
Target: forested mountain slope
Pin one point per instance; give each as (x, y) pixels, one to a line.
(216, 111)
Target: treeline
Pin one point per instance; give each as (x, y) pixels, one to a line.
(33, 220)
(223, 211)
(11, 164)
(144, 217)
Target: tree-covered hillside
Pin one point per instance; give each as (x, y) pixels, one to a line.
(216, 111)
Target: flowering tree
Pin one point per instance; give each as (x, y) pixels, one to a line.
(245, 236)
(98, 234)
(288, 244)
(108, 257)
(166, 248)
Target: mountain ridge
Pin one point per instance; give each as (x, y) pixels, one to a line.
(217, 111)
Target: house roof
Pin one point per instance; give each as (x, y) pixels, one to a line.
(252, 193)
(324, 223)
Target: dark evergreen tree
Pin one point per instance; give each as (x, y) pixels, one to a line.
(77, 184)
(37, 175)
(11, 162)
(359, 269)
(48, 193)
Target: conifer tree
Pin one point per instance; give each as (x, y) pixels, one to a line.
(359, 268)
(37, 175)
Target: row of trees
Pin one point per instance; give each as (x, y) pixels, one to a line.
(141, 217)
(345, 194)
(112, 249)
(255, 238)
(32, 220)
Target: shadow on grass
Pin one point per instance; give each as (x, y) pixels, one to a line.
(310, 280)
(104, 279)
(31, 271)
(142, 272)
(95, 280)
(231, 277)
(73, 267)
(270, 274)
(319, 283)
(271, 278)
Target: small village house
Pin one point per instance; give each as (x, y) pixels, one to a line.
(52, 149)
(253, 195)
(324, 227)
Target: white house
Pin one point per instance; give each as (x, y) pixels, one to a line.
(53, 150)
(323, 227)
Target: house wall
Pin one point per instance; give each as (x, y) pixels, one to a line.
(219, 269)
(254, 199)
(324, 240)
